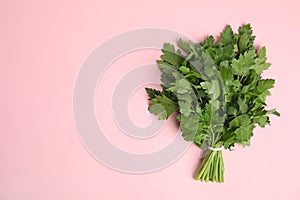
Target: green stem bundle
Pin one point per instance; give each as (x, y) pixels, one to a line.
(211, 168)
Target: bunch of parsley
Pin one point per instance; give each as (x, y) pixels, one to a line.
(216, 89)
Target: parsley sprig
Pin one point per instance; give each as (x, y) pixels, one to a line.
(216, 89)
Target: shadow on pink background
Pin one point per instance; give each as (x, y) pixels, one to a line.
(42, 47)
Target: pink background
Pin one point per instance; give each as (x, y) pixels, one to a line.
(44, 43)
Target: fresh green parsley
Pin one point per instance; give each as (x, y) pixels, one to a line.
(217, 90)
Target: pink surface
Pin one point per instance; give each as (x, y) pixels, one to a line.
(44, 43)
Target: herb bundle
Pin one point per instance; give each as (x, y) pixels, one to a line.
(216, 89)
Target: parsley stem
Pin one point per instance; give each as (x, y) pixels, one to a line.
(211, 168)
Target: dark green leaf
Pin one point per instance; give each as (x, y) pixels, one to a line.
(153, 93)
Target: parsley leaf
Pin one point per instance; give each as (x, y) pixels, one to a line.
(162, 106)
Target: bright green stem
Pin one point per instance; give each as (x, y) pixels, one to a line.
(211, 168)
